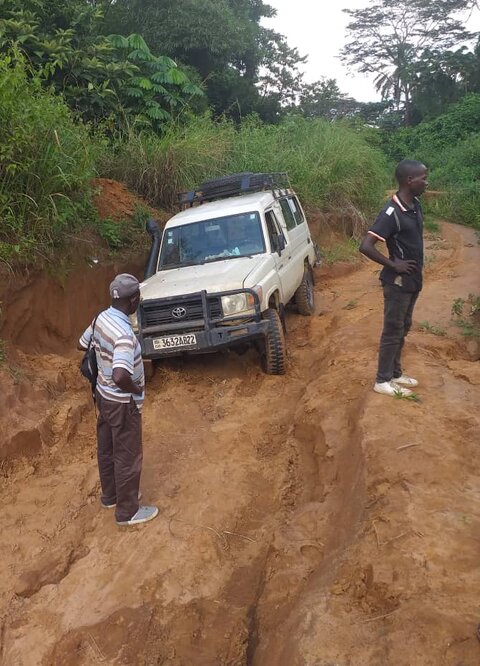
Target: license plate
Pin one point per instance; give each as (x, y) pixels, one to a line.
(174, 341)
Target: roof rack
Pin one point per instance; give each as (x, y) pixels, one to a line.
(235, 185)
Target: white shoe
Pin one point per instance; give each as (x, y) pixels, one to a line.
(405, 380)
(143, 515)
(389, 388)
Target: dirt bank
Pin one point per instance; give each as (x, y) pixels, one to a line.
(304, 519)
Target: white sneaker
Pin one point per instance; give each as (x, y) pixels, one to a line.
(389, 388)
(405, 380)
(143, 515)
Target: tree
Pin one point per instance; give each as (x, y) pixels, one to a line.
(389, 38)
(245, 66)
(113, 77)
(323, 98)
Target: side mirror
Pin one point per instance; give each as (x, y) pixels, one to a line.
(280, 243)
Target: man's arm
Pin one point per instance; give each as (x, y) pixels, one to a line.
(123, 379)
(82, 344)
(123, 365)
(368, 248)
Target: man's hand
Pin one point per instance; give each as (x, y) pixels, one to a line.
(123, 380)
(407, 266)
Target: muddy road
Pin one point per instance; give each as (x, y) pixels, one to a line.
(305, 520)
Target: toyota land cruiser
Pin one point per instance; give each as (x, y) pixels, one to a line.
(225, 268)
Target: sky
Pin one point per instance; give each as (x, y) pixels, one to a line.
(321, 36)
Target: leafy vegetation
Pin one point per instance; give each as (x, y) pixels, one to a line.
(427, 327)
(467, 315)
(163, 95)
(47, 162)
(326, 162)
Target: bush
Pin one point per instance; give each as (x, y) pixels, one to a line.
(331, 165)
(46, 165)
(450, 146)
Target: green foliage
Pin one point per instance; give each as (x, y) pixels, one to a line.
(115, 77)
(450, 146)
(326, 162)
(467, 314)
(396, 42)
(346, 251)
(46, 164)
(431, 138)
(431, 226)
(427, 327)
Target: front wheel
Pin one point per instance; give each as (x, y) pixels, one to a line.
(274, 352)
(305, 294)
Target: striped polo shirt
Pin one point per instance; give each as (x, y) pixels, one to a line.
(116, 346)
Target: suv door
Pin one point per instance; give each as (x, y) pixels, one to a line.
(298, 234)
(283, 260)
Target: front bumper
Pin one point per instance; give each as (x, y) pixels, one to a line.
(209, 341)
(213, 332)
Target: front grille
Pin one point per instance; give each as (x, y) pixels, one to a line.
(160, 312)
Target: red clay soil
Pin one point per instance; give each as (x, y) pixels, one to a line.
(113, 200)
(304, 520)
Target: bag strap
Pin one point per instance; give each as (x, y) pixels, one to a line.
(90, 342)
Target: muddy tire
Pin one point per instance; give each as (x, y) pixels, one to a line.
(274, 353)
(305, 295)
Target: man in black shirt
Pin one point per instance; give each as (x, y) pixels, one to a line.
(400, 226)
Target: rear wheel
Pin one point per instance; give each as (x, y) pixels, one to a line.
(274, 352)
(305, 295)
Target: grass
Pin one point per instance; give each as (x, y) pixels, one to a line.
(46, 166)
(467, 314)
(412, 397)
(345, 251)
(3, 355)
(427, 327)
(431, 226)
(326, 161)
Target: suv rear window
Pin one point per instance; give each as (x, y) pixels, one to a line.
(287, 214)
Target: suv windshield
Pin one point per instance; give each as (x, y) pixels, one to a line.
(212, 240)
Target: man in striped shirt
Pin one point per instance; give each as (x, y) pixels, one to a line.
(400, 226)
(119, 396)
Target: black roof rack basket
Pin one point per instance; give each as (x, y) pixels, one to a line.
(234, 185)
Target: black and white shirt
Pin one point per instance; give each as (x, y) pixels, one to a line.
(401, 228)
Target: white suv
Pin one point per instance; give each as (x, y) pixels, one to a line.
(225, 269)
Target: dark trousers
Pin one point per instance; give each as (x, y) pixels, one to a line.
(397, 321)
(119, 454)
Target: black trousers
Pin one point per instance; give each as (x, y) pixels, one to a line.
(119, 454)
(397, 321)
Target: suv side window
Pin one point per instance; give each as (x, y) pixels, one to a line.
(288, 214)
(296, 210)
(273, 229)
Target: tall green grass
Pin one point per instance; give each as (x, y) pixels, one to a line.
(450, 146)
(46, 163)
(331, 165)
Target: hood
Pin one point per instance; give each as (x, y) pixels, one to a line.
(224, 275)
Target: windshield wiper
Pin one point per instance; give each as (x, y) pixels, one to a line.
(233, 256)
(182, 265)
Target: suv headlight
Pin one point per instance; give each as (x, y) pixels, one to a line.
(237, 303)
(234, 304)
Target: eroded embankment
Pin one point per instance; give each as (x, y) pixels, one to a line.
(304, 519)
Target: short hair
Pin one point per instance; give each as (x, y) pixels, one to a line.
(407, 168)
